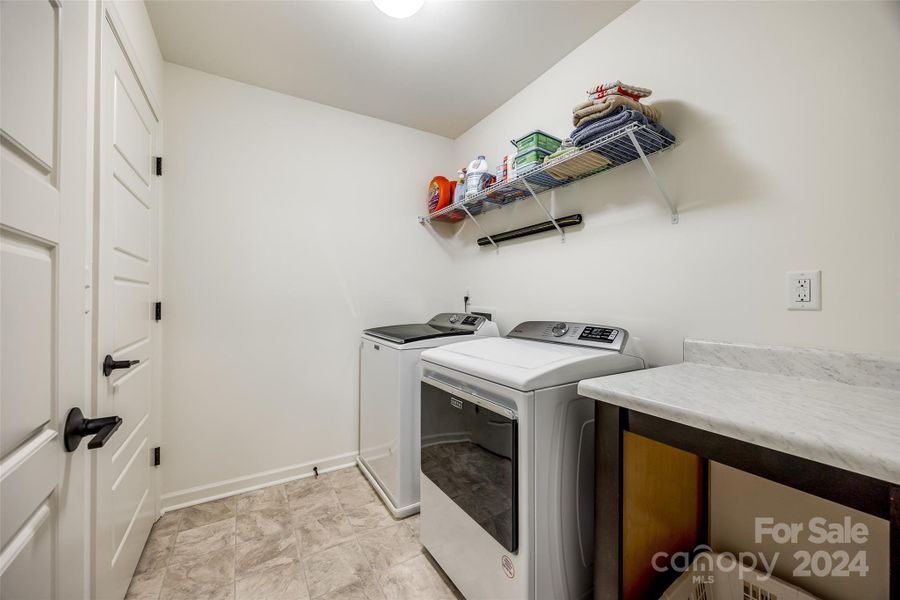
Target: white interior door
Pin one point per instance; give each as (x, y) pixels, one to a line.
(45, 118)
(126, 268)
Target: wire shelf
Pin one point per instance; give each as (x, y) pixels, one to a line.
(628, 144)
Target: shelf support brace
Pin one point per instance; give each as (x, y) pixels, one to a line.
(653, 176)
(480, 228)
(562, 233)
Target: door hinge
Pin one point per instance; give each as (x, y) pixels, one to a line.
(157, 311)
(156, 458)
(158, 166)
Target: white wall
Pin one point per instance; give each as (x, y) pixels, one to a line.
(281, 244)
(788, 119)
(288, 227)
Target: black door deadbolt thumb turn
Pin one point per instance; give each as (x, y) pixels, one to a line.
(78, 427)
(110, 365)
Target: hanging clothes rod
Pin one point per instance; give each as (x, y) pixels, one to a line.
(513, 234)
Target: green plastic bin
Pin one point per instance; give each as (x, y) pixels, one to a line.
(538, 139)
(528, 158)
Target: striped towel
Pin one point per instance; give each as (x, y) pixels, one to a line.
(618, 88)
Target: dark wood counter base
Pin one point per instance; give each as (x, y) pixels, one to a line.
(612, 546)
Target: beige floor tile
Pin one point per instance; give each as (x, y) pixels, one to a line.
(369, 516)
(146, 586)
(344, 477)
(224, 592)
(367, 589)
(413, 522)
(168, 524)
(390, 546)
(316, 535)
(437, 569)
(250, 547)
(414, 579)
(156, 554)
(264, 553)
(192, 543)
(336, 568)
(314, 506)
(308, 486)
(283, 582)
(356, 494)
(266, 498)
(262, 523)
(208, 512)
(200, 576)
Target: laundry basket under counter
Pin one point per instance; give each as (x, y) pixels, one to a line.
(714, 576)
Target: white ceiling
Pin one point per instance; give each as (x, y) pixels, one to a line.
(441, 70)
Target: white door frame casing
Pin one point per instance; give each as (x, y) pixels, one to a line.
(117, 59)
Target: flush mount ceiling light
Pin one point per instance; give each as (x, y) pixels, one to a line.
(399, 9)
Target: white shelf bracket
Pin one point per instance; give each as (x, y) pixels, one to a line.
(480, 228)
(562, 234)
(653, 176)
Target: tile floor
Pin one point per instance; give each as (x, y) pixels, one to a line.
(328, 538)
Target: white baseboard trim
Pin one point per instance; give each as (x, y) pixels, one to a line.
(239, 485)
(399, 513)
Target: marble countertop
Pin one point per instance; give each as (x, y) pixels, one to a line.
(840, 409)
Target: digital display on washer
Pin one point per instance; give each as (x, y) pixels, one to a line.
(470, 320)
(599, 334)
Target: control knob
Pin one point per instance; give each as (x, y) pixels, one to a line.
(454, 318)
(560, 329)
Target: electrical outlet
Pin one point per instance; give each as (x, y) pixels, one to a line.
(804, 290)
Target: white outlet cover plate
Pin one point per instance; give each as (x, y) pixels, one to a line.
(794, 281)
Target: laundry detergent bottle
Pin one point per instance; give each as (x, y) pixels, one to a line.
(439, 194)
(477, 176)
(460, 192)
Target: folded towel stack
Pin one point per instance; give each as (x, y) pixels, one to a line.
(620, 152)
(606, 98)
(609, 107)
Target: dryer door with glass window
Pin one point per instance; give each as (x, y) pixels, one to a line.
(470, 451)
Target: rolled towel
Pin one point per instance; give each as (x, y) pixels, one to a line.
(597, 109)
(617, 87)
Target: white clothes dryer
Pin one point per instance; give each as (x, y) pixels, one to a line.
(507, 458)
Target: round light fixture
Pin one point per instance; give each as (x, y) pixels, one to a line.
(399, 9)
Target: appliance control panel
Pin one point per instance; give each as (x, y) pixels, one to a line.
(457, 321)
(576, 334)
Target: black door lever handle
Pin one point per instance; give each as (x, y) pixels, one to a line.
(110, 365)
(78, 427)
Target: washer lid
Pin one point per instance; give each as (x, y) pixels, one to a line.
(440, 325)
(415, 332)
(527, 364)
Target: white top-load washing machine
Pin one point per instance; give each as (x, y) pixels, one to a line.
(389, 401)
(507, 480)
